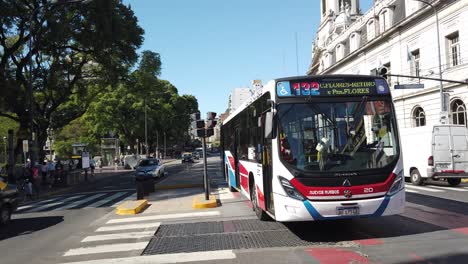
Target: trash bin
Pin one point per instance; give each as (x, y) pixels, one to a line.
(144, 186)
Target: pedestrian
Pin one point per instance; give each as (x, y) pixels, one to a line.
(51, 170)
(92, 165)
(44, 170)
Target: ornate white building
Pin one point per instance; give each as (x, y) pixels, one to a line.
(400, 35)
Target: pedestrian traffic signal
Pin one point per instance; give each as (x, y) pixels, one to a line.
(195, 116)
(211, 123)
(210, 115)
(383, 71)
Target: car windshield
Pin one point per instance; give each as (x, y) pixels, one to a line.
(148, 162)
(337, 136)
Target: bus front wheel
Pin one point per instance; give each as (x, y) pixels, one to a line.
(256, 207)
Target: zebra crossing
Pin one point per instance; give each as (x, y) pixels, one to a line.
(434, 189)
(123, 239)
(78, 201)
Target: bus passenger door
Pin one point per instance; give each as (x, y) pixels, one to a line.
(267, 171)
(236, 156)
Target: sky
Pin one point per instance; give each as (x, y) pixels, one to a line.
(210, 47)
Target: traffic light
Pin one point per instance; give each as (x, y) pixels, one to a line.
(211, 123)
(382, 71)
(210, 115)
(209, 132)
(195, 116)
(198, 124)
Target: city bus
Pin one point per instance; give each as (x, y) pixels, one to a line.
(316, 148)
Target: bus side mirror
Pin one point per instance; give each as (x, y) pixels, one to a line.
(269, 125)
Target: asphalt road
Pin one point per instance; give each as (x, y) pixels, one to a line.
(433, 229)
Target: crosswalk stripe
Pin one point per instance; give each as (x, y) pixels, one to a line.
(422, 188)
(131, 197)
(457, 189)
(130, 226)
(161, 217)
(167, 258)
(106, 200)
(54, 203)
(411, 191)
(79, 202)
(37, 203)
(129, 235)
(106, 248)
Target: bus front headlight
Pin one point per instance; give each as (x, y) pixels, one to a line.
(397, 184)
(290, 190)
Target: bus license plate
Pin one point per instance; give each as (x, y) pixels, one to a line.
(347, 211)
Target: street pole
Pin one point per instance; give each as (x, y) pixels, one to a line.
(205, 174)
(164, 157)
(441, 88)
(30, 91)
(146, 132)
(157, 144)
(5, 142)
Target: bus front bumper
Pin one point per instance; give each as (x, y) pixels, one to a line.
(289, 210)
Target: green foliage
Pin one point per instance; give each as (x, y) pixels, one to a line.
(123, 108)
(77, 50)
(6, 124)
(78, 131)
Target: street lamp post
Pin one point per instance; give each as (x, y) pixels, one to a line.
(5, 149)
(441, 88)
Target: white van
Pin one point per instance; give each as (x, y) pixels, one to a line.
(435, 152)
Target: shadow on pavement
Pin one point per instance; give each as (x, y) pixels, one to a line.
(357, 229)
(449, 258)
(25, 226)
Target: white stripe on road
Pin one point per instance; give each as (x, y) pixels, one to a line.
(411, 191)
(77, 203)
(106, 248)
(154, 225)
(225, 194)
(54, 204)
(130, 235)
(161, 217)
(458, 189)
(37, 203)
(131, 197)
(167, 258)
(106, 200)
(422, 188)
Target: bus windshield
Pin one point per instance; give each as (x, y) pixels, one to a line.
(337, 136)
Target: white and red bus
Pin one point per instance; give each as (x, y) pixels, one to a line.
(316, 148)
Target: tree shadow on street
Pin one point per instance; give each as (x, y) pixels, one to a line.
(25, 226)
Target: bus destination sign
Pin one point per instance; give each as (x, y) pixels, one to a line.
(325, 87)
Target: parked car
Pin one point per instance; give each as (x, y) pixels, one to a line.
(187, 157)
(150, 167)
(8, 201)
(435, 152)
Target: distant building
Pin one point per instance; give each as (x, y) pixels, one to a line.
(400, 35)
(237, 97)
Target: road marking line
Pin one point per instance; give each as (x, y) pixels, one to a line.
(422, 188)
(37, 203)
(449, 188)
(411, 191)
(225, 194)
(161, 217)
(131, 197)
(166, 258)
(54, 204)
(128, 226)
(106, 248)
(106, 200)
(128, 235)
(77, 203)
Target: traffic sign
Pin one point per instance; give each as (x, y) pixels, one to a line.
(25, 146)
(409, 86)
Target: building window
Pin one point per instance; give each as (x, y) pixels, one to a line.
(385, 19)
(419, 117)
(324, 7)
(371, 29)
(458, 112)
(339, 52)
(415, 66)
(354, 41)
(453, 44)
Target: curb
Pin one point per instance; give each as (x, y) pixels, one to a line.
(199, 202)
(178, 186)
(131, 207)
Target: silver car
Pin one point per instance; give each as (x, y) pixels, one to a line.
(150, 167)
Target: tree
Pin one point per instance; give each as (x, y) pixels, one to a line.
(123, 109)
(76, 50)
